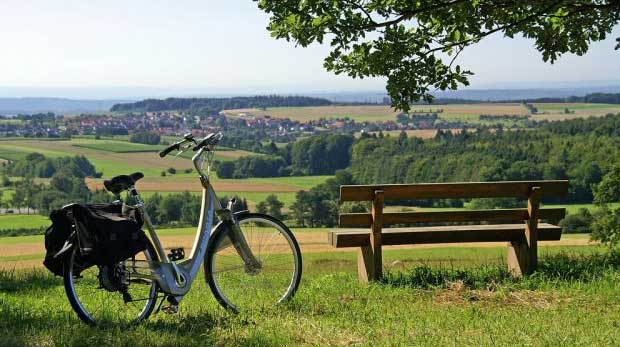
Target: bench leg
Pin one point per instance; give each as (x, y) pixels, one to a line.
(519, 258)
(365, 264)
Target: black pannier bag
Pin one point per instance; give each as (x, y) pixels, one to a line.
(56, 236)
(104, 233)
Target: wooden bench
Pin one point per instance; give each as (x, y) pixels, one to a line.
(519, 227)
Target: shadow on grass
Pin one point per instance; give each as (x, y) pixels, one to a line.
(552, 269)
(14, 280)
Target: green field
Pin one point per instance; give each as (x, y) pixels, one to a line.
(443, 303)
(288, 198)
(18, 221)
(111, 157)
(118, 146)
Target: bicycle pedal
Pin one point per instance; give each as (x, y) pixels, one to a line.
(172, 309)
(176, 254)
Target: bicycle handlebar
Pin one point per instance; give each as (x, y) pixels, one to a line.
(211, 139)
(174, 146)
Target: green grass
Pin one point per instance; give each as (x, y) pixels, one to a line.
(7, 195)
(572, 106)
(19, 221)
(288, 198)
(301, 182)
(573, 208)
(119, 146)
(427, 306)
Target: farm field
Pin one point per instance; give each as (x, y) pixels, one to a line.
(105, 155)
(458, 112)
(302, 114)
(551, 111)
(18, 221)
(381, 112)
(28, 251)
(37, 221)
(458, 297)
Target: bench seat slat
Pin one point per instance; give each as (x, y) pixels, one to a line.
(515, 215)
(517, 189)
(443, 234)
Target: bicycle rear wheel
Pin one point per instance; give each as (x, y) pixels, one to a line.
(238, 288)
(109, 294)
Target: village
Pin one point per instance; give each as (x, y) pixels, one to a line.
(172, 123)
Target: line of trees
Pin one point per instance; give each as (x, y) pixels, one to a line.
(317, 155)
(38, 165)
(145, 137)
(215, 105)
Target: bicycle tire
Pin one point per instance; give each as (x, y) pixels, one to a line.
(212, 252)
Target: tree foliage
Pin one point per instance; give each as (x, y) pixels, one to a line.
(556, 151)
(37, 165)
(415, 44)
(146, 137)
(608, 190)
(214, 105)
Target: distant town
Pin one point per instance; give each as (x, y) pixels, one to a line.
(174, 123)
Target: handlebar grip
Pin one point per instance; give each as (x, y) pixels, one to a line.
(165, 152)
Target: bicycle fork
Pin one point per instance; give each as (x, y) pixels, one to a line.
(251, 262)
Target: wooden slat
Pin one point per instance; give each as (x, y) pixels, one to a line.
(531, 230)
(443, 234)
(376, 237)
(517, 189)
(351, 220)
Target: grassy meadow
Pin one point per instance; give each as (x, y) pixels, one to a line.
(454, 296)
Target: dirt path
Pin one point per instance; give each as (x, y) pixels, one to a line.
(310, 242)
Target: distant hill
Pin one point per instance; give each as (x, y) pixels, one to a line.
(57, 105)
(595, 98)
(214, 105)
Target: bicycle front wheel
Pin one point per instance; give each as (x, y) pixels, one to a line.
(238, 287)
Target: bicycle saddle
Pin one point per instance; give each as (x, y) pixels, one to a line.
(123, 182)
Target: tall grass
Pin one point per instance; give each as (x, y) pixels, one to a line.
(553, 269)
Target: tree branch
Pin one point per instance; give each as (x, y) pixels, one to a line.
(409, 14)
(500, 28)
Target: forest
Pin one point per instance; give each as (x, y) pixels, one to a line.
(584, 151)
(210, 106)
(489, 156)
(317, 155)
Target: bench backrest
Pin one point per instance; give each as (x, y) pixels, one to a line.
(518, 189)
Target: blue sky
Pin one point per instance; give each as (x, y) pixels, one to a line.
(221, 46)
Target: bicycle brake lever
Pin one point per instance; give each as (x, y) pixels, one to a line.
(182, 150)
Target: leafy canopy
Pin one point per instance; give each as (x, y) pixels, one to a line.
(415, 43)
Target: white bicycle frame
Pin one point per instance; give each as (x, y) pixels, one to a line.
(175, 278)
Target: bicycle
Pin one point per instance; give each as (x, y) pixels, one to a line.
(250, 260)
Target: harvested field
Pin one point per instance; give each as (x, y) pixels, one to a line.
(475, 109)
(359, 113)
(379, 112)
(556, 111)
